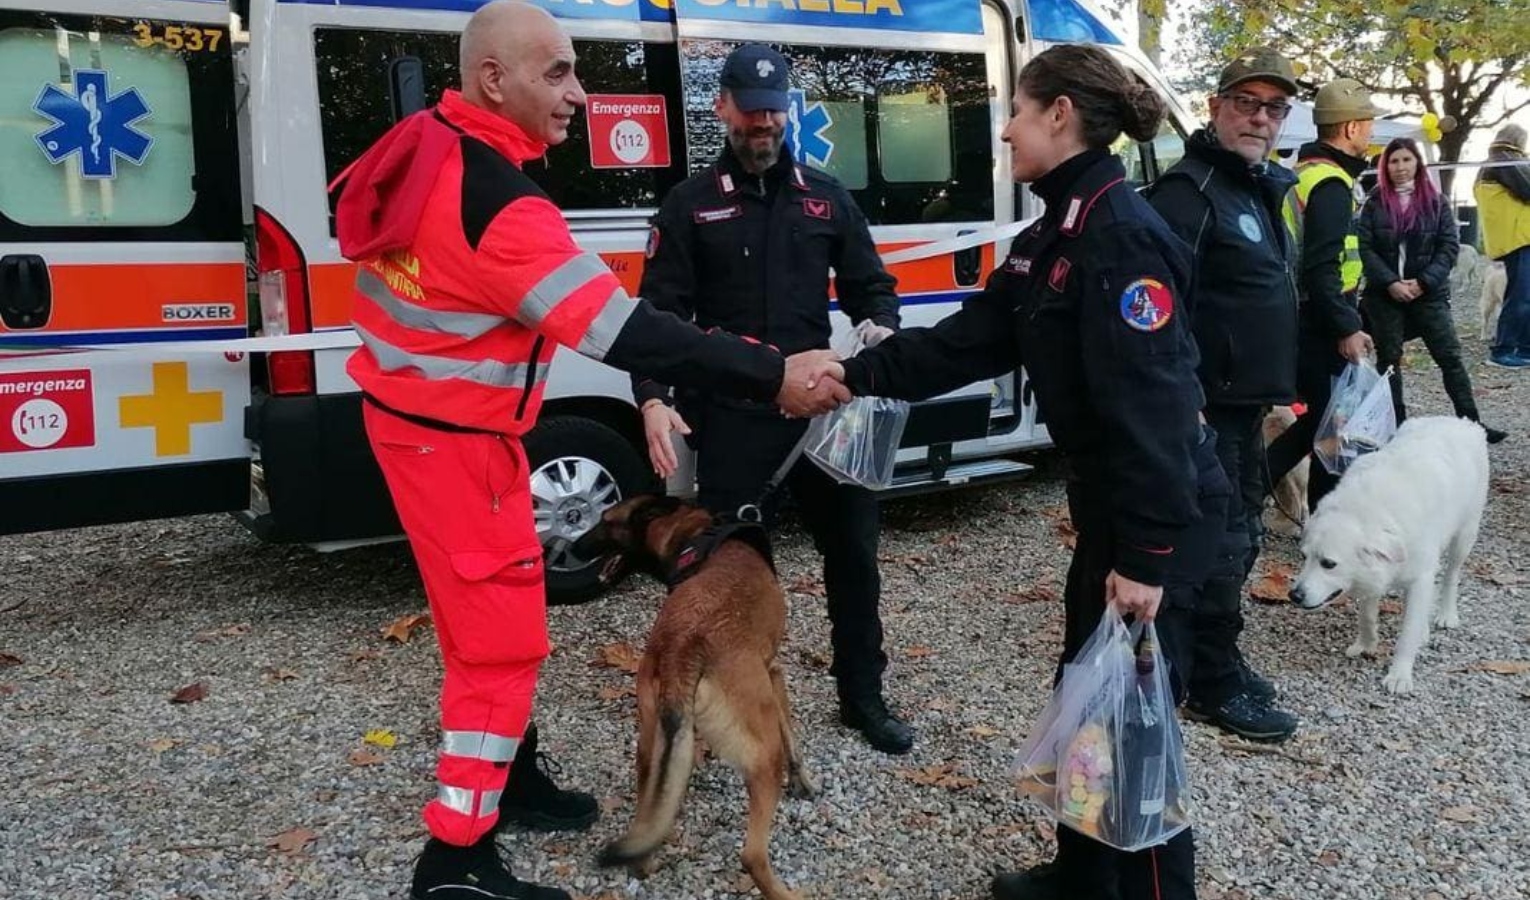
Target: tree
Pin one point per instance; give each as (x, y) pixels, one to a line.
(1453, 57)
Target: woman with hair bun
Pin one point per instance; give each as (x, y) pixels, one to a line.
(1091, 302)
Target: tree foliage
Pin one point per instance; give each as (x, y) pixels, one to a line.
(1451, 57)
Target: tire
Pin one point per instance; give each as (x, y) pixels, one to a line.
(579, 469)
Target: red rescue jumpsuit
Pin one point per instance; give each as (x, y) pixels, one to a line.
(468, 282)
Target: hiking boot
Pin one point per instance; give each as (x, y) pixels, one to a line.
(1043, 882)
(532, 800)
(1246, 716)
(1494, 435)
(1255, 684)
(868, 714)
(448, 872)
(1508, 361)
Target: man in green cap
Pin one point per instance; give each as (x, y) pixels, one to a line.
(1321, 213)
(1225, 199)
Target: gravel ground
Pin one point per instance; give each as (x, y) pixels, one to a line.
(265, 788)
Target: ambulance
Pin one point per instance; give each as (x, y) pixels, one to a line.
(174, 310)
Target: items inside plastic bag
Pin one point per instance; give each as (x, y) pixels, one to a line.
(1359, 419)
(858, 443)
(1106, 758)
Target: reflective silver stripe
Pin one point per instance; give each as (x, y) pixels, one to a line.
(460, 800)
(479, 745)
(461, 324)
(557, 285)
(607, 324)
(491, 372)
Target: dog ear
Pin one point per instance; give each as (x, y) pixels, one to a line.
(1386, 545)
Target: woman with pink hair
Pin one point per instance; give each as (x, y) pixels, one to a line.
(1408, 243)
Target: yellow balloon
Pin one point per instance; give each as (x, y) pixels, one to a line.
(1430, 121)
(1434, 134)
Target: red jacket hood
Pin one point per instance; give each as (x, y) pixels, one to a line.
(383, 193)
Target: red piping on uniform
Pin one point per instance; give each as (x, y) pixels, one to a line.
(1083, 214)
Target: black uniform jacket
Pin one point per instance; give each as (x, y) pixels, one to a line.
(1090, 300)
(1245, 270)
(752, 254)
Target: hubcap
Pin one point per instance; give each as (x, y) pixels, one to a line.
(568, 495)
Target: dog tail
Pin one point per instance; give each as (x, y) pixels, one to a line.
(666, 771)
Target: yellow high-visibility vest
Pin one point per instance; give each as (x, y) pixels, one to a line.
(1309, 174)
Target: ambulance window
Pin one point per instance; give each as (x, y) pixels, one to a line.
(915, 130)
(356, 108)
(907, 131)
(104, 126)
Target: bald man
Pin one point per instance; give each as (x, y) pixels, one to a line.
(468, 281)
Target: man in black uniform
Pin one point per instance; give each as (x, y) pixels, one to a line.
(1225, 199)
(1321, 210)
(747, 246)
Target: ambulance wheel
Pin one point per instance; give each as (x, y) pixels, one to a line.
(579, 469)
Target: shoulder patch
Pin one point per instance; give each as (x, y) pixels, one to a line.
(1147, 304)
(817, 208)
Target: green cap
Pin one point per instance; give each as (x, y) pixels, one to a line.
(1259, 64)
(1343, 100)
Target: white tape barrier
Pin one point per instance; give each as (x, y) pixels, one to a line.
(346, 338)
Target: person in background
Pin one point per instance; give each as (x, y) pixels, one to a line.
(1320, 210)
(1408, 245)
(1224, 198)
(1503, 197)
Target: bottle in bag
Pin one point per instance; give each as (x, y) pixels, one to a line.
(1143, 742)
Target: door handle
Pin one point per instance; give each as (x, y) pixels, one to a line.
(26, 291)
(967, 264)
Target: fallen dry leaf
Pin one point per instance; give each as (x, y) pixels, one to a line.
(400, 630)
(273, 675)
(1504, 666)
(1274, 587)
(1390, 607)
(620, 655)
(8, 689)
(380, 737)
(239, 630)
(982, 731)
(1068, 533)
(363, 757)
(918, 651)
(191, 693)
(1468, 814)
(806, 584)
(937, 776)
(950, 540)
(617, 692)
(9, 659)
(160, 745)
(1508, 486)
(292, 840)
(365, 654)
(1036, 593)
(814, 658)
(1396, 746)
(1328, 858)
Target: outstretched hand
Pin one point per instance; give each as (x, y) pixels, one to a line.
(812, 384)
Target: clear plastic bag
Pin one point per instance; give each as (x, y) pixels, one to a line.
(1106, 757)
(858, 443)
(1359, 419)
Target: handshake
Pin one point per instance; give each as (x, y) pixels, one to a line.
(813, 384)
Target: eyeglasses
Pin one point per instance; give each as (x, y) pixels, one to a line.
(1249, 105)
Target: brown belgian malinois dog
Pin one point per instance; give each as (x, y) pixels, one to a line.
(710, 668)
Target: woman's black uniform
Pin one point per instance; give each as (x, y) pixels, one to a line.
(1090, 301)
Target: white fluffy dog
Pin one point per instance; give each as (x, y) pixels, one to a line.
(1495, 280)
(1397, 518)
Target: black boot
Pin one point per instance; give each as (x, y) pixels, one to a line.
(866, 712)
(1246, 716)
(1494, 435)
(531, 799)
(1257, 685)
(448, 872)
(1043, 882)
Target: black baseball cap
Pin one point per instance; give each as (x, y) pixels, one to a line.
(757, 78)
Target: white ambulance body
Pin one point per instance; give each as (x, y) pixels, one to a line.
(131, 132)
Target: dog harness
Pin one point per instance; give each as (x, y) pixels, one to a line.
(744, 525)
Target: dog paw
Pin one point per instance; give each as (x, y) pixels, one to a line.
(1398, 682)
(1447, 620)
(1360, 648)
(803, 785)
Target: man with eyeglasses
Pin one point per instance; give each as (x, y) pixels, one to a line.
(1224, 198)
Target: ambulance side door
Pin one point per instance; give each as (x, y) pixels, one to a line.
(120, 228)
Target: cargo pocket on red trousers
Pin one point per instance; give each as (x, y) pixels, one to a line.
(502, 613)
